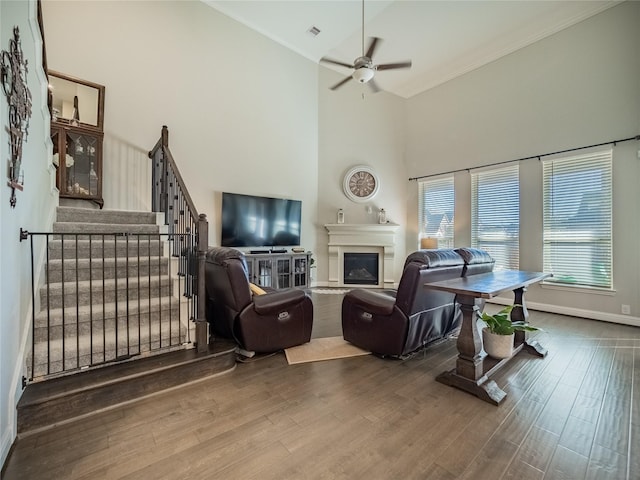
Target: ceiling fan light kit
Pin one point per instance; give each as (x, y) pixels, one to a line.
(363, 74)
(364, 68)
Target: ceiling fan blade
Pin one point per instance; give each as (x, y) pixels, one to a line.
(340, 83)
(335, 62)
(372, 47)
(391, 66)
(374, 86)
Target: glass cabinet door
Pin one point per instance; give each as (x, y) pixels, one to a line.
(55, 139)
(81, 163)
(77, 154)
(263, 272)
(300, 272)
(284, 272)
(250, 271)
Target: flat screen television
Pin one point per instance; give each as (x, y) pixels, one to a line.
(252, 221)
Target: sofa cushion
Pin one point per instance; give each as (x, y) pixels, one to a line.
(444, 257)
(472, 256)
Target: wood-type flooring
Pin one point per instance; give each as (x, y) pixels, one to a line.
(572, 415)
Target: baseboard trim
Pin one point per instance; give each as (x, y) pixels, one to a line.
(574, 312)
(6, 442)
(560, 310)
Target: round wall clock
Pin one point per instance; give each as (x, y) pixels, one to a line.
(360, 183)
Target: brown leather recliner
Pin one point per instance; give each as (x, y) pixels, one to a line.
(395, 324)
(260, 323)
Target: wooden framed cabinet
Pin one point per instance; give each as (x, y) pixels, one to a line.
(77, 152)
(77, 119)
(279, 270)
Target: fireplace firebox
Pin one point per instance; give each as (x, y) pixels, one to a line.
(361, 268)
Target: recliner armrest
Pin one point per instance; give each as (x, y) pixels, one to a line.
(277, 301)
(373, 302)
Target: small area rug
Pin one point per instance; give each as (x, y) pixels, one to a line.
(318, 349)
(329, 291)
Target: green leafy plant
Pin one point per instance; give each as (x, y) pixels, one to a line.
(501, 324)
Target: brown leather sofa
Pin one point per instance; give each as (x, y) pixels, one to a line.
(398, 323)
(274, 321)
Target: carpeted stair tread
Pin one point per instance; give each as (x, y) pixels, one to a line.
(106, 311)
(96, 269)
(87, 215)
(108, 246)
(94, 348)
(104, 228)
(84, 292)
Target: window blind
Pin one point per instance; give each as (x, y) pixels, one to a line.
(436, 210)
(577, 211)
(495, 214)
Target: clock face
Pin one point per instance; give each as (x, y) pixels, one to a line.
(360, 184)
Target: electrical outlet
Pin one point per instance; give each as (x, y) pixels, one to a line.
(626, 310)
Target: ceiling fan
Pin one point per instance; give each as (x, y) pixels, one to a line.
(364, 68)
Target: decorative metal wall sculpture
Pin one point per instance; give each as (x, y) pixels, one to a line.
(14, 83)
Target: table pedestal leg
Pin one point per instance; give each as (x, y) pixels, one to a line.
(520, 313)
(469, 372)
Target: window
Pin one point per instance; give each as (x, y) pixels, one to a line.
(436, 210)
(495, 214)
(577, 219)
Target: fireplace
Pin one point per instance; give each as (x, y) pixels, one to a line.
(360, 268)
(368, 243)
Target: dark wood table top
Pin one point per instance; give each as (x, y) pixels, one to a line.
(488, 285)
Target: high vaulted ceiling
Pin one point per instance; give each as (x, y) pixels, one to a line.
(444, 39)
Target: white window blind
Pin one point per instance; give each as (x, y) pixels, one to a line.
(495, 214)
(436, 210)
(577, 219)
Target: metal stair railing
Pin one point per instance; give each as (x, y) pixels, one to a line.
(171, 197)
(106, 298)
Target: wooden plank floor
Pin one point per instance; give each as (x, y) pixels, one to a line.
(572, 415)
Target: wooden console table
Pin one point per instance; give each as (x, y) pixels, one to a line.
(473, 368)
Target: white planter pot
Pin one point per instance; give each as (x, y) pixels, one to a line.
(497, 346)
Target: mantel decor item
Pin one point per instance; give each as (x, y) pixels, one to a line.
(14, 83)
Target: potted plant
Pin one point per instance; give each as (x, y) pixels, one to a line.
(497, 336)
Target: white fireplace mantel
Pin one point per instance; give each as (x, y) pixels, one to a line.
(362, 238)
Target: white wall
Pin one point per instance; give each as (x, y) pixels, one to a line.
(33, 212)
(247, 115)
(578, 87)
(357, 130)
(241, 110)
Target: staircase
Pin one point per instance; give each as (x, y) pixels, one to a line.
(112, 272)
(114, 291)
